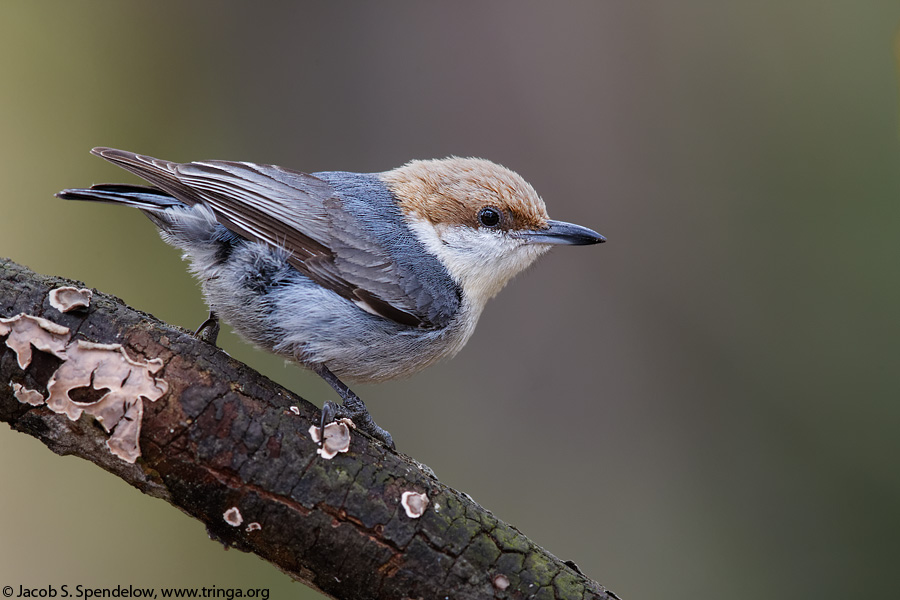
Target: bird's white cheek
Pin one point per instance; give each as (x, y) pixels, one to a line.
(482, 262)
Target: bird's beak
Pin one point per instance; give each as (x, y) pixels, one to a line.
(558, 232)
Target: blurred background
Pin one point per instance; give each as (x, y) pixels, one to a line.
(713, 393)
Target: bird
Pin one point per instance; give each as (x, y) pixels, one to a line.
(361, 277)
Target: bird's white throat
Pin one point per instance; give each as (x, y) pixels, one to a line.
(481, 261)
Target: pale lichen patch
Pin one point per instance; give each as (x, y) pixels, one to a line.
(414, 504)
(68, 298)
(25, 331)
(337, 438)
(233, 517)
(127, 382)
(501, 582)
(26, 396)
(101, 367)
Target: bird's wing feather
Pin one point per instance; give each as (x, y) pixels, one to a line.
(290, 209)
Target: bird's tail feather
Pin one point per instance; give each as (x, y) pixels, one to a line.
(139, 196)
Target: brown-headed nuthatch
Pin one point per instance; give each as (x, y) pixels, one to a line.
(364, 277)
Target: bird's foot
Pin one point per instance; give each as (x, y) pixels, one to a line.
(354, 409)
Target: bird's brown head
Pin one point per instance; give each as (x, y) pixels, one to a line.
(484, 222)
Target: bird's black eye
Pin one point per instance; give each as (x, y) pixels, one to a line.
(489, 216)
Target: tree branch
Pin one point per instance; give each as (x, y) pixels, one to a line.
(223, 437)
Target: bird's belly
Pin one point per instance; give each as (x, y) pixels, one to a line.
(309, 324)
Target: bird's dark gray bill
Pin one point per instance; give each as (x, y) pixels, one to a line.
(559, 232)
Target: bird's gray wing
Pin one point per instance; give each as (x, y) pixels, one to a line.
(290, 209)
(376, 249)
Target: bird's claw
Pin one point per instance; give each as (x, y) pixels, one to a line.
(209, 329)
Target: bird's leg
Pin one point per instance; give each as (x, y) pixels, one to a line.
(209, 329)
(352, 408)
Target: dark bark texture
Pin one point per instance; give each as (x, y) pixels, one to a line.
(224, 436)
